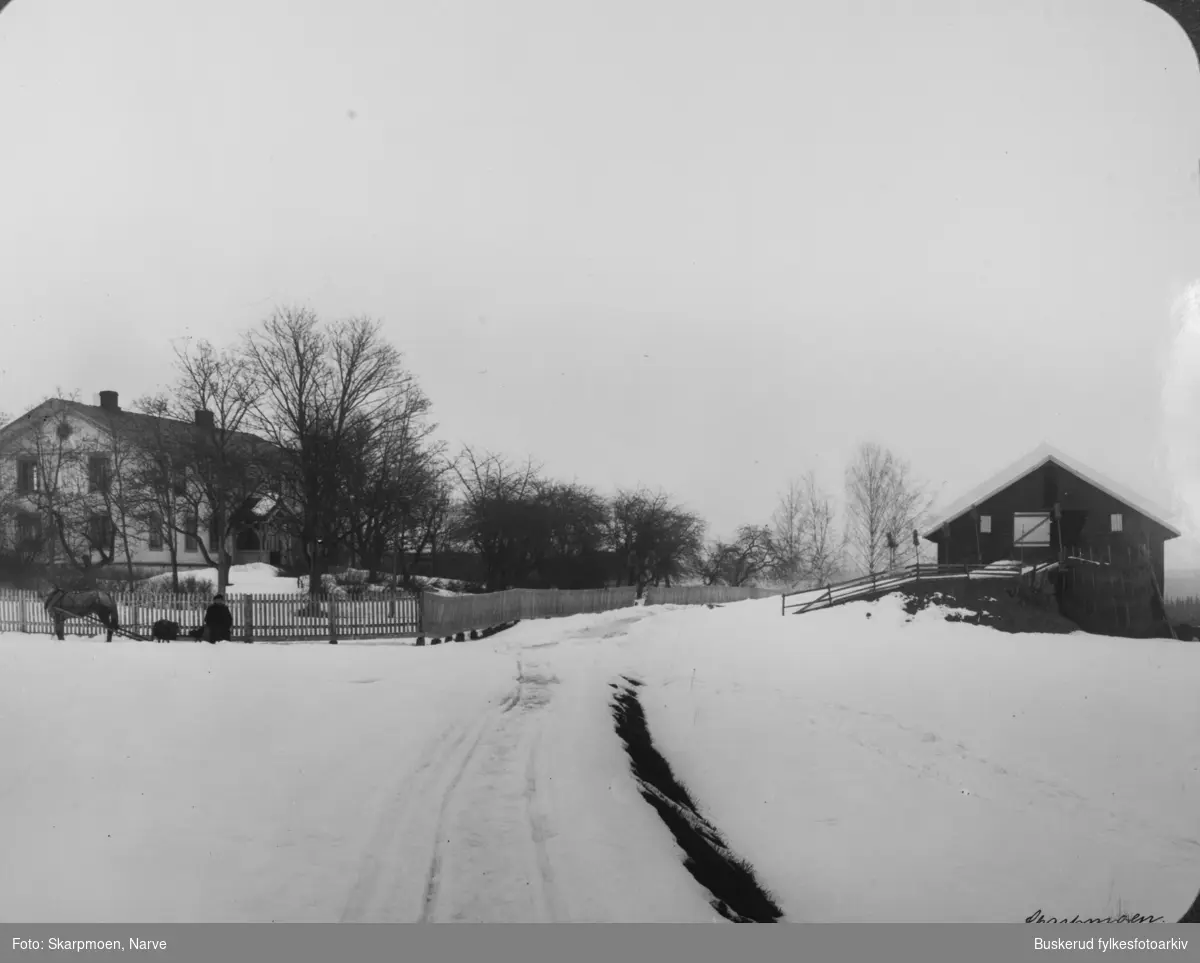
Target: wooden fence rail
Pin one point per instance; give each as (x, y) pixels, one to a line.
(705, 594)
(865, 585)
(449, 614)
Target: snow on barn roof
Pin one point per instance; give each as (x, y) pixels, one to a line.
(1031, 462)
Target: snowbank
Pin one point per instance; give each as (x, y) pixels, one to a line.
(876, 766)
(257, 578)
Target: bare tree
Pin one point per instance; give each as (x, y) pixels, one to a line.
(806, 546)
(160, 476)
(823, 549)
(739, 562)
(429, 523)
(787, 533)
(114, 476)
(395, 480)
(223, 468)
(494, 516)
(882, 499)
(572, 523)
(655, 539)
(324, 389)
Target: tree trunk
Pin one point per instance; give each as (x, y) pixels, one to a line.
(172, 546)
(128, 557)
(315, 569)
(223, 558)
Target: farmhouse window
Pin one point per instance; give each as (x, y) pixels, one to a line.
(985, 524)
(214, 536)
(26, 475)
(99, 473)
(190, 541)
(100, 531)
(29, 528)
(1031, 529)
(156, 532)
(1118, 523)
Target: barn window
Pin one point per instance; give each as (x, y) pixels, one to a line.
(1118, 523)
(985, 524)
(1031, 529)
(156, 532)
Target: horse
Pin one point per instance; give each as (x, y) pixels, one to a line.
(63, 605)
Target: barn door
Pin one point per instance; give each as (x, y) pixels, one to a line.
(1031, 530)
(1073, 522)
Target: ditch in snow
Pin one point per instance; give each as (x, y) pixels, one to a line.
(737, 896)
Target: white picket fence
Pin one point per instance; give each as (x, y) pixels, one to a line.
(298, 617)
(256, 618)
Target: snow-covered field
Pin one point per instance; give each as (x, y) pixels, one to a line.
(868, 767)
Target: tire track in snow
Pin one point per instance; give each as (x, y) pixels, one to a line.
(433, 876)
(737, 895)
(490, 862)
(540, 829)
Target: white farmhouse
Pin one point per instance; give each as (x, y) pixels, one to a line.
(95, 484)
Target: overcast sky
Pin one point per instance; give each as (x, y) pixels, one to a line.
(702, 245)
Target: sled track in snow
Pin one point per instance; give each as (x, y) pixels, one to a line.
(379, 891)
(736, 892)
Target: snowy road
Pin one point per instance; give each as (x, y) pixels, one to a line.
(522, 810)
(472, 782)
(977, 775)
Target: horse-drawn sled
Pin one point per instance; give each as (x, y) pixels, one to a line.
(100, 608)
(96, 607)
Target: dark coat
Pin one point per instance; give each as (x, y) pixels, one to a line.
(219, 621)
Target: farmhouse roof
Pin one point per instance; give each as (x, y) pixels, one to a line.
(173, 429)
(1040, 456)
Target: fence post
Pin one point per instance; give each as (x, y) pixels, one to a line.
(333, 620)
(247, 618)
(421, 613)
(137, 618)
(24, 615)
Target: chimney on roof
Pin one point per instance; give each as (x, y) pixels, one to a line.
(204, 418)
(108, 401)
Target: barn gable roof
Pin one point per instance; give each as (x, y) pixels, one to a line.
(1040, 456)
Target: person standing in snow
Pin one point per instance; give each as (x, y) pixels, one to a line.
(218, 621)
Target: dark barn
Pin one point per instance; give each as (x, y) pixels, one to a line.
(1047, 507)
